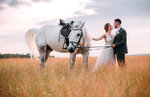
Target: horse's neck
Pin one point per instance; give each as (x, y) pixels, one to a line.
(86, 38)
(84, 43)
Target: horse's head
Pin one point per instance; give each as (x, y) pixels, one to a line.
(76, 35)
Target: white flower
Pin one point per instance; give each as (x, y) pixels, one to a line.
(117, 33)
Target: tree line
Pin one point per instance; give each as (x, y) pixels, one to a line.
(15, 55)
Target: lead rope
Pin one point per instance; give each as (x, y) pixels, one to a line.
(95, 46)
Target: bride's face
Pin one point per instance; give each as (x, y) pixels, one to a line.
(110, 27)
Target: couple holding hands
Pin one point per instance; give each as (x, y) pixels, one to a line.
(117, 43)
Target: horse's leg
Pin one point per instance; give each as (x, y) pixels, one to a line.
(47, 53)
(85, 59)
(42, 52)
(72, 59)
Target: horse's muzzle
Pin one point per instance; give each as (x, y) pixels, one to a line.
(71, 50)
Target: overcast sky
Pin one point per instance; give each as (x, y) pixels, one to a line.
(17, 16)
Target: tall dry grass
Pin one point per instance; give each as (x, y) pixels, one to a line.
(23, 78)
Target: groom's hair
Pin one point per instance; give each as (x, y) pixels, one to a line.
(118, 20)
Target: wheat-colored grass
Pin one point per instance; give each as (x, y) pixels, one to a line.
(24, 78)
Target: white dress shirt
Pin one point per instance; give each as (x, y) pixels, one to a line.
(117, 32)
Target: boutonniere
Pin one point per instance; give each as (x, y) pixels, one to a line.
(117, 32)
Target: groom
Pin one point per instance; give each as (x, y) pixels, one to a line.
(120, 43)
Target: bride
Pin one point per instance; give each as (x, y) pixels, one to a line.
(107, 54)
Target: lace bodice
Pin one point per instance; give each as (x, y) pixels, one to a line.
(109, 40)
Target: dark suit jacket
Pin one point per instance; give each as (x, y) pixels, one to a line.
(120, 41)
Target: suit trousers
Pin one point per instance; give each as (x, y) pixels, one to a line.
(121, 60)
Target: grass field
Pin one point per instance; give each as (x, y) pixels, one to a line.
(23, 78)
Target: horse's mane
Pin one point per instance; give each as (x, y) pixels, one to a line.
(86, 36)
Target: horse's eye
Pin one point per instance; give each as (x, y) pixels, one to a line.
(78, 34)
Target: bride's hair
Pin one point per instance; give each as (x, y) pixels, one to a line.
(106, 27)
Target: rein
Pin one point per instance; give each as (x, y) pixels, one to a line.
(94, 47)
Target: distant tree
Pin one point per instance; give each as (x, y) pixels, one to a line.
(15, 55)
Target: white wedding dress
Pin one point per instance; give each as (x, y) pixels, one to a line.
(107, 54)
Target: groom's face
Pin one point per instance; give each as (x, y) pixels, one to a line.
(115, 24)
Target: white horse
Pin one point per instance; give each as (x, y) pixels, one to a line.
(46, 39)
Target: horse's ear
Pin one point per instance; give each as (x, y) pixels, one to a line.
(83, 24)
(71, 22)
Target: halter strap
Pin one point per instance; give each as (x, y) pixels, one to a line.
(72, 42)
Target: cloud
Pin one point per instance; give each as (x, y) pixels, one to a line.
(43, 22)
(15, 3)
(47, 22)
(11, 3)
(1, 8)
(41, 0)
(59, 9)
(121, 7)
(12, 38)
(2, 1)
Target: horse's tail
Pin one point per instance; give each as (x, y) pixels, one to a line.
(30, 40)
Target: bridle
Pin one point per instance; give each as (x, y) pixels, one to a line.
(77, 43)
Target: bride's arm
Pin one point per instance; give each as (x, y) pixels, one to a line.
(99, 38)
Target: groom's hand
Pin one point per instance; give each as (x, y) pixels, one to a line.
(113, 46)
